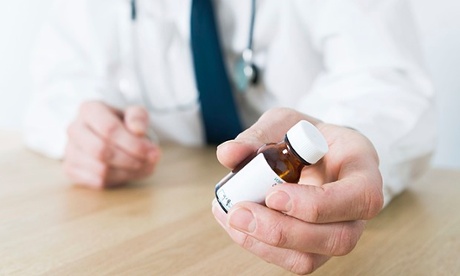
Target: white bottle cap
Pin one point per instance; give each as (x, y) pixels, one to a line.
(307, 141)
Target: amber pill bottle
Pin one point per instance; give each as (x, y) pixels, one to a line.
(273, 164)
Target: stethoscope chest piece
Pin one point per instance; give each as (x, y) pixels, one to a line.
(245, 73)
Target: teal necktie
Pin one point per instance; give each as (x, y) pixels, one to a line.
(218, 108)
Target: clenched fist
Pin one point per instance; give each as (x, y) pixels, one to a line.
(108, 147)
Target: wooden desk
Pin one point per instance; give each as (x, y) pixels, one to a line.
(164, 225)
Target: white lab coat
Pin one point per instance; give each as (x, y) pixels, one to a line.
(348, 62)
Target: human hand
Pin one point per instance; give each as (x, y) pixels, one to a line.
(302, 226)
(107, 147)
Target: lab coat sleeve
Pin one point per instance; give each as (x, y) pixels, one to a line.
(373, 81)
(75, 61)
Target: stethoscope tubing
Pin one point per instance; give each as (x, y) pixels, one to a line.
(250, 45)
(145, 97)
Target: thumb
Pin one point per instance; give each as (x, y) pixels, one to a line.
(136, 120)
(270, 128)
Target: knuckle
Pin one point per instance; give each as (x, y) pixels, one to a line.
(100, 150)
(86, 107)
(301, 264)
(373, 202)
(278, 237)
(138, 148)
(99, 170)
(313, 214)
(288, 115)
(72, 129)
(245, 241)
(342, 241)
(278, 111)
(109, 129)
(102, 170)
(257, 134)
(136, 166)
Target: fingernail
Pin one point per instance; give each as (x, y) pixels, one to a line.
(279, 200)
(242, 219)
(226, 142)
(138, 128)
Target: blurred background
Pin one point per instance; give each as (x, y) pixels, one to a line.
(438, 26)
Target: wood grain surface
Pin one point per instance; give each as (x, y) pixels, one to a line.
(163, 225)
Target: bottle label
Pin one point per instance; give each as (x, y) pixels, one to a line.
(251, 183)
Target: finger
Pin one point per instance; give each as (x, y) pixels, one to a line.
(89, 143)
(295, 261)
(107, 177)
(316, 175)
(82, 169)
(353, 189)
(118, 159)
(136, 120)
(357, 196)
(278, 230)
(233, 154)
(106, 123)
(270, 128)
(118, 177)
(84, 139)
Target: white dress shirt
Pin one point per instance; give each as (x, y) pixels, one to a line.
(348, 62)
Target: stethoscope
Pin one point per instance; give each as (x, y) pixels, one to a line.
(245, 72)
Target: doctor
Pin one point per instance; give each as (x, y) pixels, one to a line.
(115, 78)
